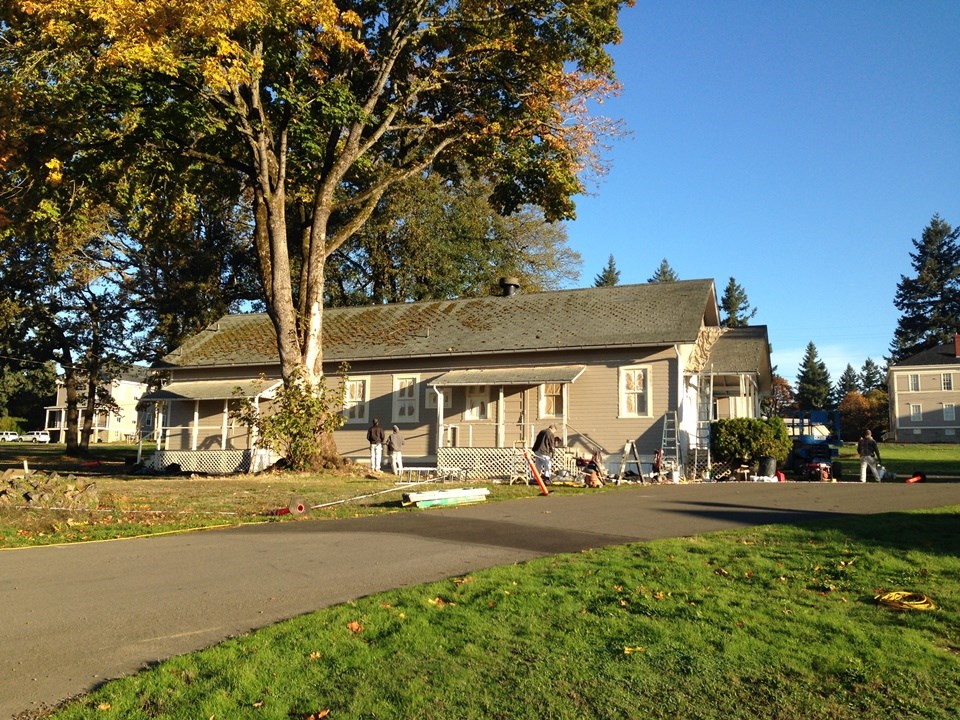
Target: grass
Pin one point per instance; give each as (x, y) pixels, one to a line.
(772, 622)
(938, 461)
(132, 505)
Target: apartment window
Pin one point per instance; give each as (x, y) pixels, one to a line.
(405, 405)
(947, 381)
(915, 414)
(478, 400)
(914, 383)
(431, 401)
(635, 398)
(949, 412)
(355, 400)
(551, 400)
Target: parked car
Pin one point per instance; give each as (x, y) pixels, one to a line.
(36, 436)
(8, 436)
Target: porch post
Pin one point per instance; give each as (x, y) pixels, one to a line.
(223, 425)
(563, 399)
(501, 419)
(196, 421)
(439, 416)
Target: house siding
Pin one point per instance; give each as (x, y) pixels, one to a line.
(593, 405)
(932, 426)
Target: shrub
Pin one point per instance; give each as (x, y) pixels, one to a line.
(747, 439)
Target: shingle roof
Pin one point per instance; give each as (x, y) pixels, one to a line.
(625, 315)
(940, 355)
(740, 350)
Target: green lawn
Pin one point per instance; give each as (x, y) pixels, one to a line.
(940, 462)
(774, 622)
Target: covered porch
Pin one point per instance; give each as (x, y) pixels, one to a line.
(195, 431)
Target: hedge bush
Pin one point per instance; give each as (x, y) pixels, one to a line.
(747, 439)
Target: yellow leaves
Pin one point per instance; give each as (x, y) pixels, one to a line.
(55, 172)
(223, 38)
(354, 627)
(103, 707)
(630, 650)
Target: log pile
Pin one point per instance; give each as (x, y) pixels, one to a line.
(46, 490)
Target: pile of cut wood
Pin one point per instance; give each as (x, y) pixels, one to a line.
(434, 498)
(43, 490)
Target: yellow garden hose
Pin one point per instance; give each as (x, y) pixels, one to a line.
(903, 600)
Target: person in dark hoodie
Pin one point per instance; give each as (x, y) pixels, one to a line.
(375, 438)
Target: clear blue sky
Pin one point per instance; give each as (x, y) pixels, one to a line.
(796, 146)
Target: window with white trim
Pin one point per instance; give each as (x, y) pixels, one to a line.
(946, 381)
(916, 415)
(356, 397)
(914, 382)
(406, 407)
(635, 400)
(551, 400)
(478, 401)
(949, 412)
(431, 399)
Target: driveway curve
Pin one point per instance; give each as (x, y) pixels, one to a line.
(74, 616)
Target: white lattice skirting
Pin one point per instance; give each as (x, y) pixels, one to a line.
(503, 463)
(212, 462)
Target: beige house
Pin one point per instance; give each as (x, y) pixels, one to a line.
(470, 381)
(119, 423)
(924, 392)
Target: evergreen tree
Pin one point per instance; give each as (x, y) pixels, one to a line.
(736, 306)
(872, 377)
(929, 302)
(849, 382)
(610, 275)
(664, 273)
(813, 381)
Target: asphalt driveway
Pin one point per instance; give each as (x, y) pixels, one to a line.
(75, 616)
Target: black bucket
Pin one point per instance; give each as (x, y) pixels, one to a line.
(768, 466)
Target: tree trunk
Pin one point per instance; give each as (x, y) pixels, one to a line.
(89, 415)
(299, 344)
(70, 432)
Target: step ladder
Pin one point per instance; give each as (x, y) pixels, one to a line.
(629, 457)
(669, 444)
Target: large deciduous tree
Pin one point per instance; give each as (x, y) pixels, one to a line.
(431, 239)
(781, 397)
(929, 301)
(319, 107)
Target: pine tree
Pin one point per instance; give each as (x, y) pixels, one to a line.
(610, 275)
(872, 377)
(813, 381)
(736, 306)
(664, 273)
(929, 302)
(849, 382)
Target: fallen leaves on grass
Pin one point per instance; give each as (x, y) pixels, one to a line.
(354, 626)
